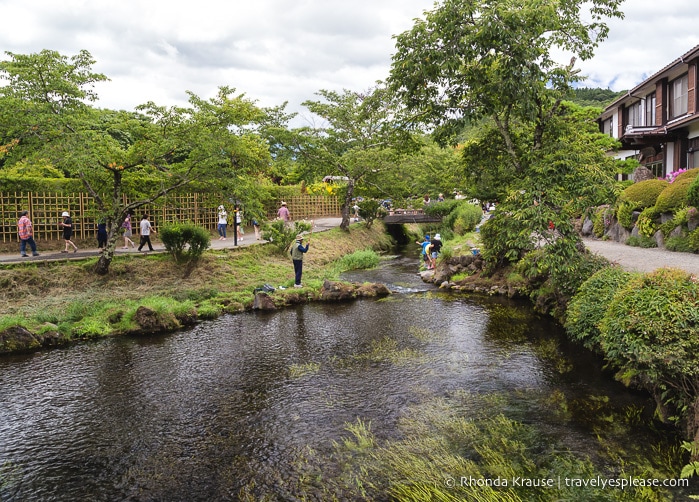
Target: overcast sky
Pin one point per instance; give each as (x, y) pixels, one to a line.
(282, 50)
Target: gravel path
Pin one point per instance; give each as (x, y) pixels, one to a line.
(643, 260)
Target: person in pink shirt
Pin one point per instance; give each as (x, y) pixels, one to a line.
(283, 214)
(26, 234)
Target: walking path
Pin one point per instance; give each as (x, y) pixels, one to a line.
(320, 225)
(643, 259)
(629, 257)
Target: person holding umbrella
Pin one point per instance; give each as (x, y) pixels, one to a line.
(297, 252)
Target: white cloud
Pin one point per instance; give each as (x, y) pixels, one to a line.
(276, 50)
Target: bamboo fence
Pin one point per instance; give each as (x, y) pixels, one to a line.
(201, 209)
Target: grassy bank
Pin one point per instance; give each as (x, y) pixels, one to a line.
(67, 301)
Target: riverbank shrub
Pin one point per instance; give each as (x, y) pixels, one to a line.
(458, 216)
(282, 235)
(185, 242)
(589, 305)
(359, 260)
(650, 332)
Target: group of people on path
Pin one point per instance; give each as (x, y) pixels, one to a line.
(431, 247)
(25, 231)
(223, 224)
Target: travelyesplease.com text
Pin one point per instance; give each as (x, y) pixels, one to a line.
(561, 482)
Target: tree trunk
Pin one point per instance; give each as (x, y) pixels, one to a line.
(102, 265)
(346, 205)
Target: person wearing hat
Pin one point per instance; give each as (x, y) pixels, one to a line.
(222, 222)
(297, 252)
(283, 214)
(423, 253)
(435, 249)
(26, 235)
(67, 225)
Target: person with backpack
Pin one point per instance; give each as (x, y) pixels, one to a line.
(435, 249)
(297, 252)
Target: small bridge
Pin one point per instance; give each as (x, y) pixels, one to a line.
(400, 216)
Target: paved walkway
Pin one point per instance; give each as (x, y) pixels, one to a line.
(641, 259)
(320, 225)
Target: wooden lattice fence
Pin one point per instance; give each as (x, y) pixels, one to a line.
(201, 209)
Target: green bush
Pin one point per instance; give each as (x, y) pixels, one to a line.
(651, 328)
(674, 196)
(467, 216)
(587, 308)
(694, 240)
(641, 242)
(689, 174)
(281, 235)
(601, 219)
(186, 242)
(643, 194)
(647, 222)
(693, 192)
(624, 214)
(369, 210)
(458, 216)
(678, 244)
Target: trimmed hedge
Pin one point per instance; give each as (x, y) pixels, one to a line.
(643, 194)
(651, 327)
(589, 305)
(674, 196)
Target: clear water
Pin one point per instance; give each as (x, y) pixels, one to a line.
(232, 403)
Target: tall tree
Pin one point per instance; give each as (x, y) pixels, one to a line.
(153, 152)
(363, 134)
(470, 60)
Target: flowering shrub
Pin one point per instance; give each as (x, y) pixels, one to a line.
(670, 177)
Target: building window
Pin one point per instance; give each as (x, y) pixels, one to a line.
(657, 169)
(607, 127)
(678, 96)
(650, 109)
(636, 114)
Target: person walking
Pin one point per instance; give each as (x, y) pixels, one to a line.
(284, 215)
(297, 252)
(67, 225)
(222, 223)
(256, 227)
(128, 232)
(25, 229)
(102, 235)
(239, 223)
(146, 229)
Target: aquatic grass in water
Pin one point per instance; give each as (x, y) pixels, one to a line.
(446, 452)
(301, 370)
(387, 350)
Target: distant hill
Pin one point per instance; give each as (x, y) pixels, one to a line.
(585, 96)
